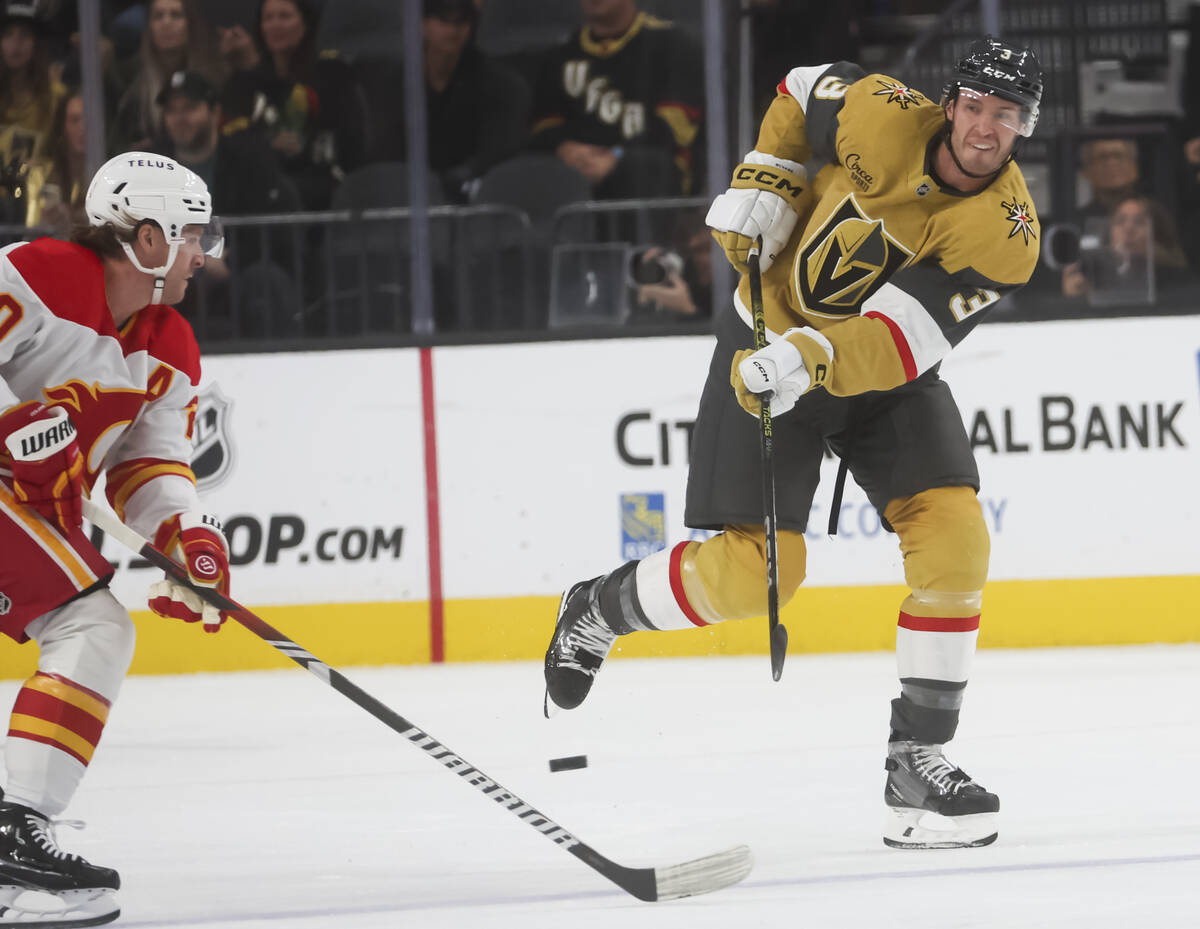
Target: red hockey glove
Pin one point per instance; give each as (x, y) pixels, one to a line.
(46, 465)
(197, 539)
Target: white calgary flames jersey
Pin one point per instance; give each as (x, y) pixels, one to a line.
(131, 393)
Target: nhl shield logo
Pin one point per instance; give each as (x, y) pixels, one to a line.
(212, 444)
(5, 605)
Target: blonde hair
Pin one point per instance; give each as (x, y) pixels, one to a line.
(153, 73)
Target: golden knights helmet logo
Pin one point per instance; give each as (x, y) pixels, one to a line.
(845, 261)
(212, 444)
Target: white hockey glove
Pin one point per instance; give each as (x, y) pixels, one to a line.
(762, 201)
(779, 369)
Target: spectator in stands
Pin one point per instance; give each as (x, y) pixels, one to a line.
(307, 106)
(1110, 167)
(176, 38)
(1190, 132)
(1142, 246)
(478, 110)
(237, 167)
(243, 172)
(678, 285)
(28, 99)
(621, 102)
(1190, 199)
(58, 183)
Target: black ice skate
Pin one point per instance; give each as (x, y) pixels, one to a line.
(933, 804)
(581, 642)
(31, 861)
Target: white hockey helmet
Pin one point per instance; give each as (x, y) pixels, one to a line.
(139, 186)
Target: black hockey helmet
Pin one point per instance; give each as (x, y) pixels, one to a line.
(1012, 73)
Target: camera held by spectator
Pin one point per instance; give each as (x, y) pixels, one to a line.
(654, 266)
(666, 286)
(1128, 259)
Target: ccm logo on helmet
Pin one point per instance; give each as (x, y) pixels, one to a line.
(996, 72)
(146, 163)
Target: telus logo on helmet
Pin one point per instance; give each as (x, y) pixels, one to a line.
(143, 163)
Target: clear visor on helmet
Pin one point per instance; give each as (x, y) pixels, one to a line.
(208, 237)
(1017, 117)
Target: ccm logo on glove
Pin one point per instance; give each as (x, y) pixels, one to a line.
(766, 178)
(763, 373)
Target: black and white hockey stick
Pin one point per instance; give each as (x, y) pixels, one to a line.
(703, 875)
(776, 630)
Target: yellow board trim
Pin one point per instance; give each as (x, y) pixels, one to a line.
(1016, 614)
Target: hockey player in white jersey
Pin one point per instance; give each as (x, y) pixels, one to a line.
(98, 374)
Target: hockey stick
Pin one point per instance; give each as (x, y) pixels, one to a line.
(702, 875)
(776, 629)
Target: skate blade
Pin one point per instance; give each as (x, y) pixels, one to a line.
(911, 828)
(550, 709)
(78, 908)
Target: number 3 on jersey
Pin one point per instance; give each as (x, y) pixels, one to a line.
(830, 88)
(962, 308)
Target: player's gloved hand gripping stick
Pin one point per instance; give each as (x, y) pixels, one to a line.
(47, 467)
(776, 629)
(702, 875)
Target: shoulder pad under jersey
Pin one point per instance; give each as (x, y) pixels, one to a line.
(68, 279)
(164, 334)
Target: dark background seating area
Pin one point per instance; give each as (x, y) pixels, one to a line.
(567, 166)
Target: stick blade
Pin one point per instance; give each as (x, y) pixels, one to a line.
(779, 640)
(704, 875)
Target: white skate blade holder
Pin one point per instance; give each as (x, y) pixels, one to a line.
(65, 909)
(906, 827)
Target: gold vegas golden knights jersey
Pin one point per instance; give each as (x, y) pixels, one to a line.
(894, 269)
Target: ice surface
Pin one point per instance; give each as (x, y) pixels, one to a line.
(267, 799)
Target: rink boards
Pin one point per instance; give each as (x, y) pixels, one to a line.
(557, 461)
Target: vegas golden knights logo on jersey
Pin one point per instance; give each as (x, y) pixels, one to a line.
(845, 261)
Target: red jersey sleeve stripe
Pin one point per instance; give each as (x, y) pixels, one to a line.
(902, 346)
(782, 87)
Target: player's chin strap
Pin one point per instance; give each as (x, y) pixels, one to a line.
(159, 273)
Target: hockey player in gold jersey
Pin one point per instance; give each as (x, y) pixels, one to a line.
(917, 222)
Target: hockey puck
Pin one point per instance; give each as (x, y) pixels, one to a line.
(570, 763)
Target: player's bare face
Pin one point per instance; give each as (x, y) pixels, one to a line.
(982, 137)
(188, 260)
